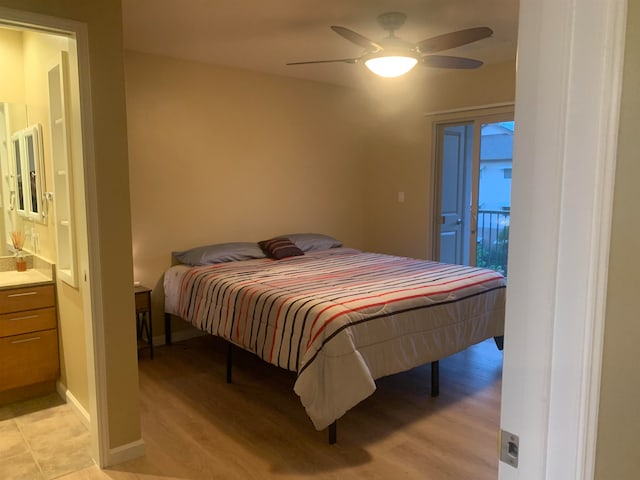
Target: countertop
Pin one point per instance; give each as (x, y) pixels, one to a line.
(18, 279)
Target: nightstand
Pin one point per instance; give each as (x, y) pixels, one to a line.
(144, 331)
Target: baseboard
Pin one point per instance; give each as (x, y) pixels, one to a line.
(126, 452)
(68, 397)
(178, 336)
(115, 455)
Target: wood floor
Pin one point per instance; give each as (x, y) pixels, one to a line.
(195, 426)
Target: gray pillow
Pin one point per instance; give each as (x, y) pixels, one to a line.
(313, 241)
(220, 253)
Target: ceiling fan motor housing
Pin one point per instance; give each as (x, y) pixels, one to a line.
(394, 45)
(391, 20)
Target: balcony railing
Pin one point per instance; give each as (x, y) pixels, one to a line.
(492, 241)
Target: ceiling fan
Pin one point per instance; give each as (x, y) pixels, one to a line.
(392, 56)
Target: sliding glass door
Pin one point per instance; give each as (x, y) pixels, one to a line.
(473, 201)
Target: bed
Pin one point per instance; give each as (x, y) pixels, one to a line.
(338, 317)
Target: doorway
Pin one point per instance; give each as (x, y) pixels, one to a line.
(473, 190)
(34, 47)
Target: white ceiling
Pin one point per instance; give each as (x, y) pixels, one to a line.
(263, 35)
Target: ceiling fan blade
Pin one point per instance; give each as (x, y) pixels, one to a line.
(338, 60)
(445, 61)
(453, 39)
(357, 38)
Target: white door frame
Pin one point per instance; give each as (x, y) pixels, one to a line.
(89, 262)
(569, 75)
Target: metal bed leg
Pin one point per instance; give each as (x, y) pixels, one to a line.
(229, 358)
(435, 378)
(167, 328)
(333, 433)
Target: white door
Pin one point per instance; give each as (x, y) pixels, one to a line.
(455, 171)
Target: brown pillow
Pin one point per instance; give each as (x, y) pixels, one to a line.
(279, 248)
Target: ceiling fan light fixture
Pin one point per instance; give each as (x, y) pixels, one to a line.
(393, 57)
(391, 66)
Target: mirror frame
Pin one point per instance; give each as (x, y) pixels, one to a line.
(28, 163)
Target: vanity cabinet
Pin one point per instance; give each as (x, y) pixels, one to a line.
(29, 361)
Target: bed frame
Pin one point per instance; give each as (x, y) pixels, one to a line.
(333, 428)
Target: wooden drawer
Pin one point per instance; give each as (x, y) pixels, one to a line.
(28, 359)
(27, 321)
(27, 298)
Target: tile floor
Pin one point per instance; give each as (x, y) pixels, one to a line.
(41, 439)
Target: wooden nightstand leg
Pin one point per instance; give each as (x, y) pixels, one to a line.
(138, 326)
(144, 330)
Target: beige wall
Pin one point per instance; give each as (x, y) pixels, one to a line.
(219, 154)
(112, 219)
(618, 445)
(12, 79)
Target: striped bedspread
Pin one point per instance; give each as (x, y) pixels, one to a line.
(341, 318)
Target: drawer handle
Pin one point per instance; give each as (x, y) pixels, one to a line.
(23, 318)
(22, 294)
(25, 340)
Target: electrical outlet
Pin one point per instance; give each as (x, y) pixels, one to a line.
(509, 448)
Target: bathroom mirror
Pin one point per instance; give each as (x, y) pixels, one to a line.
(21, 173)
